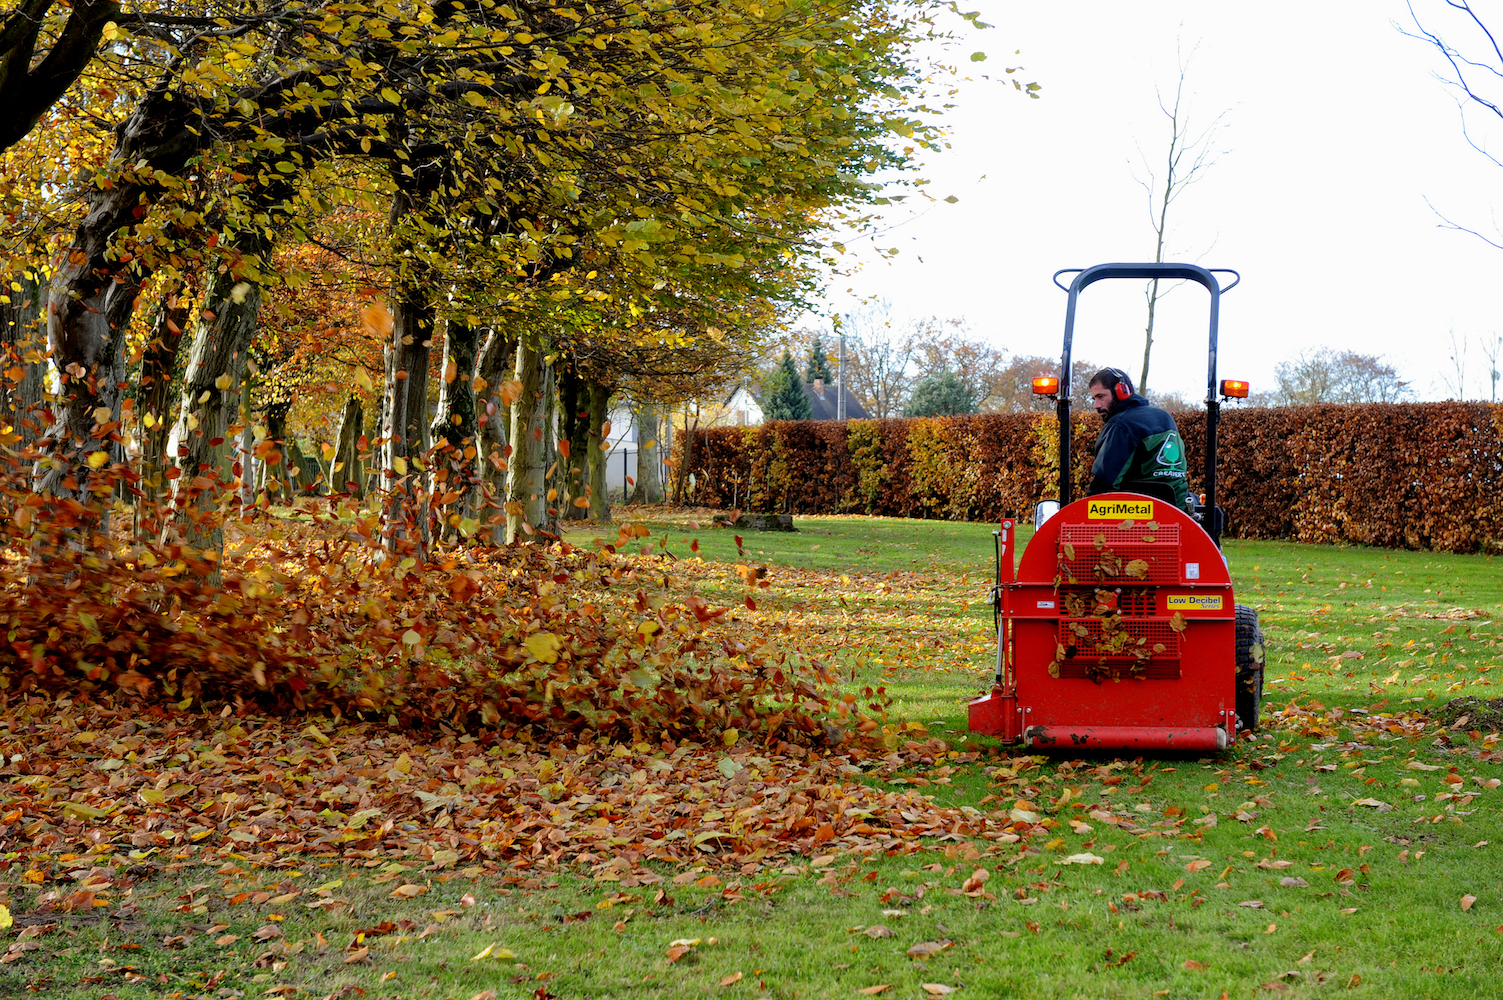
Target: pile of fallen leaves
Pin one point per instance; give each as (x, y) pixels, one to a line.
(315, 613)
(85, 788)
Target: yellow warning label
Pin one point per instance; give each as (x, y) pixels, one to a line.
(1136, 510)
(1194, 602)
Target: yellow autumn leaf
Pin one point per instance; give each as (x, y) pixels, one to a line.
(399, 465)
(223, 382)
(5, 917)
(543, 646)
(363, 380)
(98, 458)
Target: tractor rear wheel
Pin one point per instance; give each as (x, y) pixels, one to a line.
(1249, 668)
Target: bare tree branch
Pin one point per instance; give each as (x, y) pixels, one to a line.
(1179, 174)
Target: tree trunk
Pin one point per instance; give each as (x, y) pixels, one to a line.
(306, 471)
(245, 454)
(346, 472)
(95, 288)
(549, 457)
(455, 431)
(574, 406)
(686, 456)
(23, 345)
(407, 407)
(209, 407)
(158, 365)
(524, 471)
(494, 425)
(273, 471)
(455, 419)
(600, 502)
(649, 488)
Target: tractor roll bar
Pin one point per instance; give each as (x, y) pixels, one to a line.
(1189, 272)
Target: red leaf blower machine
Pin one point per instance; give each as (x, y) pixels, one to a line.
(1118, 628)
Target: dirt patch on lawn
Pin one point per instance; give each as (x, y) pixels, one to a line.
(1485, 714)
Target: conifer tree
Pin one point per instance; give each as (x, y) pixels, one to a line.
(785, 398)
(942, 395)
(819, 362)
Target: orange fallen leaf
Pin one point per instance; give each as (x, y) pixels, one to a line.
(1467, 901)
(1193, 965)
(734, 977)
(1197, 865)
(871, 991)
(938, 989)
(358, 955)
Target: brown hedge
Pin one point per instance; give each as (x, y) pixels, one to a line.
(1397, 475)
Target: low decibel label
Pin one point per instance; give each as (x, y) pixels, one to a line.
(1194, 602)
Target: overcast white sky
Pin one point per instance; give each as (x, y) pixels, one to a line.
(1336, 133)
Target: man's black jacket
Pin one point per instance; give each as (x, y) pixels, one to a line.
(1139, 450)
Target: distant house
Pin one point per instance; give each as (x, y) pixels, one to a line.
(741, 409)
(824, 400)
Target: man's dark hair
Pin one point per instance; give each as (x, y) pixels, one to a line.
(1108, 378)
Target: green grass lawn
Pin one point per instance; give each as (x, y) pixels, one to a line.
(1352, 849)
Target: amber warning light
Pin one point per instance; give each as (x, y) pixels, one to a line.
(1046, 385)
(1230, 387)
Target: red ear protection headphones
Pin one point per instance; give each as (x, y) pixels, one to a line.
(1123, 388)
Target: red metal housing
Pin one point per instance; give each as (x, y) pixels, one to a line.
(1117, 631)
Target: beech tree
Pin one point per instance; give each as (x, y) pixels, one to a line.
(590, 159)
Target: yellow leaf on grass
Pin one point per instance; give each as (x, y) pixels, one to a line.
(5, 918)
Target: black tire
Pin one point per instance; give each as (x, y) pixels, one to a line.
(1249, 668)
